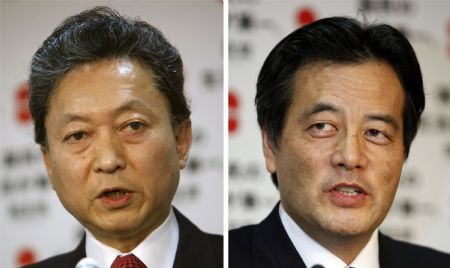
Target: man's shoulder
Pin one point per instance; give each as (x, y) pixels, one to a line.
(399, 252)
(215, 241)
(240, 238)
(195, 247)
(269, 231)
(240, 246)
(265, 244)
(262, 245)
(208, 244)
(190, 232)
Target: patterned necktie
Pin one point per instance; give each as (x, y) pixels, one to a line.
(128, 261)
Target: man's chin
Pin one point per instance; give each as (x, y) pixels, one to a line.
(348, 230)
(114, 224)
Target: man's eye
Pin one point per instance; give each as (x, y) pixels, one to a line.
(322, 130)
(77, 136)
(135, 126)
(321, 126)
(378, 137)
(374, 132)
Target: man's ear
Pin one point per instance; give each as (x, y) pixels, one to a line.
(46, 157)
(269, 153)
(183, 137)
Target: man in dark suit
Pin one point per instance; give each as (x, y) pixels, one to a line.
(339, 104)
(195, 249)
(114, 129)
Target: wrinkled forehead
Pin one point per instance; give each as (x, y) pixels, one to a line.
(371, 85)
(107, 86)
(368, 76)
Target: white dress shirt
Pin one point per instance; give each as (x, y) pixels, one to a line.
(313, 253)
(157, 250)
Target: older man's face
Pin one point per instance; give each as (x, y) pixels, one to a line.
(341, 150)
(113, 156)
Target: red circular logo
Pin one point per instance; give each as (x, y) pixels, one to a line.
(25, 256)
(305, 15)
(233, 104)
(22, 112)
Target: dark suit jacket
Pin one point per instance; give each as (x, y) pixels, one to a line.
(195, 249)
(268, 245)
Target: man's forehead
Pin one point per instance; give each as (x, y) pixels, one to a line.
(134, 105)
(92, 90)
(359, 75)
(373, 86)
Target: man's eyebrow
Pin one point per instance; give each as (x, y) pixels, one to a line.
(319, 107)
(384, 118)
(328, 107)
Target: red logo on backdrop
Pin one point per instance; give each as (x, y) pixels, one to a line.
(22, 112)
(25, 256)
(305, 15)
(233, 105)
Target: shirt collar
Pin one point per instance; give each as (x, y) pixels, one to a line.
(313, 253)
(157, 250)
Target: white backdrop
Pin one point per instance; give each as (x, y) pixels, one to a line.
(33, 224)
(421, 211)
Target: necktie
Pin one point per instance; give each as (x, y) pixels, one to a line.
(128, 261)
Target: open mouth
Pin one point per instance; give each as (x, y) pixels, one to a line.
(348, 195)
(116, 197)
(348, 190)
(114, 194)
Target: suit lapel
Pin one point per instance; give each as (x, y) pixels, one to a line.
(271, 245)
(390, 255)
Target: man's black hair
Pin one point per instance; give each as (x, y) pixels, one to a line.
(102, 33)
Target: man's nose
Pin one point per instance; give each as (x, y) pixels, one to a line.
(350, 153)
(108, 154)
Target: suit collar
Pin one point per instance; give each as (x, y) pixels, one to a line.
(156, 250)
(79, 252)
(313, 252)
(389, 253)
(194, 248)
(272, 245)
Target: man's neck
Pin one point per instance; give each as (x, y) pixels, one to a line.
(345, 247)
(156, 250)
(127, 241)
